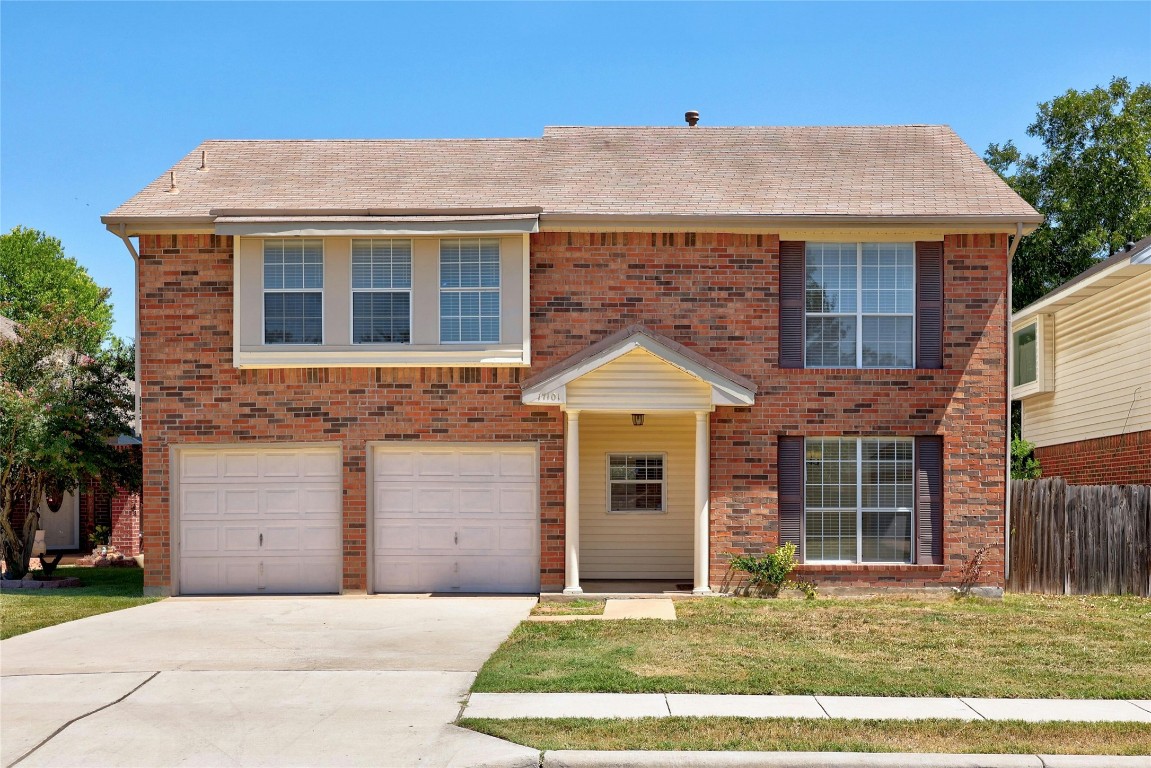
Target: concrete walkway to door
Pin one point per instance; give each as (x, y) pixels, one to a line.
(283, 681)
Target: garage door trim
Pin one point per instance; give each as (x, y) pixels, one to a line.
(174, 455)
(406, 445)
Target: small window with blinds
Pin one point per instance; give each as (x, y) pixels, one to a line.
(636, 483)
(860, 305)
(294, 291)
(469, 290)
(381, 291)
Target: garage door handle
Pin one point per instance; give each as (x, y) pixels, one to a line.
(261, 539)
(457, 537)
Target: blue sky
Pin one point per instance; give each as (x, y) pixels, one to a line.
(98, 99)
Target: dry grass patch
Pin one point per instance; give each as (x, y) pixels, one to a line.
(578, 607)
(802, 735)
(1021, 646)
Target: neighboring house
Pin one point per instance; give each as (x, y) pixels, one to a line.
(67, 528)
(1082, 369)
(603, 354)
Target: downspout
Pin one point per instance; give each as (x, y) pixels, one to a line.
(1007, 423)
(123, 235)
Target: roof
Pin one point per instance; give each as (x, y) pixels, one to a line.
(913, 171)
(733, 389)
(1107, 272)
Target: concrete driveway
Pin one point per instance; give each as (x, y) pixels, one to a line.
(257, 681)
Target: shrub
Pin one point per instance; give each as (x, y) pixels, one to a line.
(767, 574)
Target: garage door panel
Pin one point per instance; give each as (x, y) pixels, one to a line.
(239, 501)
(239, 538)
(321, 538)
(281, 538)
(217, 576)
(199, 502)
(517, 539)
(294, 575)
(282, 501)
(459, 519)
(200, 539)
(240, 464)
(195, 466)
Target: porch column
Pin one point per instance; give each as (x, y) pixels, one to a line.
(571, 506)
(702, 502)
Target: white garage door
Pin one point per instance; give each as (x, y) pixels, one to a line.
(456, 519)
(259, 520)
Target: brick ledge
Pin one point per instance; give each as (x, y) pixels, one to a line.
(871, 568)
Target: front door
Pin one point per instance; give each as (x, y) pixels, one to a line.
(62, 527)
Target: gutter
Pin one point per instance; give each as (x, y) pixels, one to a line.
(1008, 348)
(122, 234)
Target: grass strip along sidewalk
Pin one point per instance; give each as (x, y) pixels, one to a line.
(796, 735)
(1023, 646)
(102, 590)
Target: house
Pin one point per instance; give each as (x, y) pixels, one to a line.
(603, 354)
(69, 520)
(1081, 360)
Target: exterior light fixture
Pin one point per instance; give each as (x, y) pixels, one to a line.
(637, 419)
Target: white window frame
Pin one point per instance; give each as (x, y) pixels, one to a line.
(354, 290)
(859, 314)
(264, 290)
(662, 482)
(1044, 362)
(498, 290)
(859, 508)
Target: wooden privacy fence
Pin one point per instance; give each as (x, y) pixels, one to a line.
(1080, 539)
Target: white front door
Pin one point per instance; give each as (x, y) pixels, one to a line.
(259, 520)
(62, 527)
(455, 518)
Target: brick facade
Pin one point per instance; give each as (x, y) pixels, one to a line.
(1113, 460)
(716, 293)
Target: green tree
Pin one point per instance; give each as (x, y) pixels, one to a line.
(1024, 465)
(1092, 182)
(34, 272)
(60, 409)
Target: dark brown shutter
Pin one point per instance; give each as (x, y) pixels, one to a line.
(929, 500)
(792, 289)
(791, 492)
(929, 305)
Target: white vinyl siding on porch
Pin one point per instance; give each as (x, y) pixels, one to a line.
(637, 546)
(638, 376)
(1102, 353)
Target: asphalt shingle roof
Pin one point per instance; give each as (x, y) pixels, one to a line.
(868, 171)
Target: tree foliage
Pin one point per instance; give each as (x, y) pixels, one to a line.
(34, 272)
(60, 412)
(1092, 182)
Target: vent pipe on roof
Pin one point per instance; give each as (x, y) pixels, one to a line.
(172, 181)
(203, 160)
(691, 117)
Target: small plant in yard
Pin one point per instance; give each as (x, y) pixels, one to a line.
(100, 536)
(972, 571)
(767, 575)
(1024, 465)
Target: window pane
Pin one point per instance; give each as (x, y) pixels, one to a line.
(831, 276)
(381, 318)
(888, 277)
(888, 342)
(381, 263)
(830, 535)
(1026, 355)
(293, 318)
(886, 536)
(830, 342)
(469, 263)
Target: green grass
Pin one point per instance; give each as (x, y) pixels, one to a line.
(1021, 646)
(577, 607)
(102, 590)
(797, 735)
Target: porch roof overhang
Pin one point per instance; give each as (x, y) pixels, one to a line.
(725, 387)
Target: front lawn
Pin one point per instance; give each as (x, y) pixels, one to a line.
(1022, 646)
(103, 590)
(796, 735)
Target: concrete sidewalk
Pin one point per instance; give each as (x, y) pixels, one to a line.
(631, 705)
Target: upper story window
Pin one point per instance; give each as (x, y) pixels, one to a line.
(293, 291)
(1032, 364)
(1026, 349)
(381, 291)
(469, 290)
(860, 305)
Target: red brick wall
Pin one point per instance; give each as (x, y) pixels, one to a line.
(716, 293)
(1114, 460)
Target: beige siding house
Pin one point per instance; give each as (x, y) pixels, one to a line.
(1082, 369)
